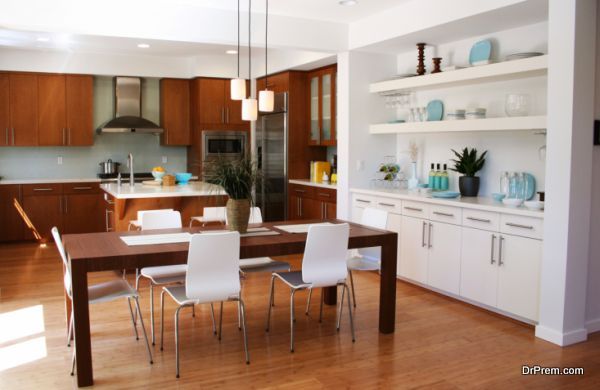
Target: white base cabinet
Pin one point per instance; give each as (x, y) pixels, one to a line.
(479, 270)
(444, 256)
(412, 262)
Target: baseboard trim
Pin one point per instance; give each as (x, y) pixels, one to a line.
(559, 338)
(593, 325)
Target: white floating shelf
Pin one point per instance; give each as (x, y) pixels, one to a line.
(488, 124)
(507, 70)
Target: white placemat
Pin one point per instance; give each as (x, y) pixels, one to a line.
(301, 228)
(152, 239)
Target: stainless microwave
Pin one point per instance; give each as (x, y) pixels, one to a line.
(221, 144)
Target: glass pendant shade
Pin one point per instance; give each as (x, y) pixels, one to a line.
(266, 101)
(249, 109)
(238, 89)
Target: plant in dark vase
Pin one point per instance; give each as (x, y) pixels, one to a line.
(238, 179)
(468, 164)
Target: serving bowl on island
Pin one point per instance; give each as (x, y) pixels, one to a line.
(183, 177)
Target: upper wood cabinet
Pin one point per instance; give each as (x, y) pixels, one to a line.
(46, 110)
(175, 112)
(213, 106)
(278, 82)
(321, 106)
(23, 110)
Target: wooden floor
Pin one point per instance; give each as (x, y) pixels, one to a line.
(439, 343)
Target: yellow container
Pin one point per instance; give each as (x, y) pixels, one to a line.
(319, 168)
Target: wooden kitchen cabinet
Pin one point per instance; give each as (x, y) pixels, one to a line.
(80, 110)
(277, 83)
(23, 111)
(52, 110)
(43, 206)
(12, 226)
(175, 112)
(309, 202)
(5, 131)
(213, 105)
(322, 106)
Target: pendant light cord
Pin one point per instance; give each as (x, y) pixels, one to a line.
(249, 42)
(266, 45)
(238, 41)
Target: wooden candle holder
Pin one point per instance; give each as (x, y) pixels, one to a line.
(421, 58)
(436, 64)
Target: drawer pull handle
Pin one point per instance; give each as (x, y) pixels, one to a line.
(363, 201)
(479, 219)
(108, 200)
(386, 204)
(519, 226)
(324, 194)
(82, 188)
(42, 189)
(413, 209)
(443, 214)
(300, 191)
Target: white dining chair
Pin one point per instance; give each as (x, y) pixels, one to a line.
(97, 293)
(364, 259)
(136, 224)
(212, 276)
(165, 274)
(323, 265)
(211, 215)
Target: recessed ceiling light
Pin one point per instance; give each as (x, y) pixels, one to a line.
(143, 45)
(231, 51)
(43, 39)
(348, 2)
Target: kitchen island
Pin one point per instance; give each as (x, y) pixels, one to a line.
(123, 202)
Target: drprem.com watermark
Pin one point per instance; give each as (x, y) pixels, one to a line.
(539, 370)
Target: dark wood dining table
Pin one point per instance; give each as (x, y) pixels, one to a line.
(95, 252)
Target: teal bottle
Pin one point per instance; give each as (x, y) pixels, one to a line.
(436, 179)
(444, 179)
(431, 176)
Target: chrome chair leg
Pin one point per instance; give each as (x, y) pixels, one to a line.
(70, 334)
(339, 312)
(137, 305)
(292, 320)
(132, 319)
(177, 341)
(321, 305)
(73, 363)
(193, 310)
(308, 301)
(137, 286)
(151, 311)
(352, 285)
(243, 312)
(212, 316)
(350, 314)
(271, 292)
(220, 320)
(162, 317)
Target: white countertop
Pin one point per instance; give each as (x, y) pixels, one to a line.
(140, 191)
(306, 182)
(49, 181)
(475, 203)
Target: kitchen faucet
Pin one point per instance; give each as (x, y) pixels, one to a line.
(131, 179)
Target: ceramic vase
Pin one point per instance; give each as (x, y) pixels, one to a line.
(413, 181)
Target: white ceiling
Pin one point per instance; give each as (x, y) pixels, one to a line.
(328, 10)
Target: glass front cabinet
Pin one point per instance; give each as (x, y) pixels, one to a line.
(322, 88)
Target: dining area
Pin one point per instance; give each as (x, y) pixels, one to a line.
(207, 273)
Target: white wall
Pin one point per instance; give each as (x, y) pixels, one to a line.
(514, 151)
(593, 285)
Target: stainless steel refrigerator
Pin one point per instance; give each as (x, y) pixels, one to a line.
(271, 155)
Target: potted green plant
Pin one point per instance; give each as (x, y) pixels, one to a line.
(238, 178)
(468, 164)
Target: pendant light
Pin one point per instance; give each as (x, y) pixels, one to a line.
(238, 85)
(266, 98)
(249, 105)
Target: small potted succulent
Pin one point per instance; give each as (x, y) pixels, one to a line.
(468, 164)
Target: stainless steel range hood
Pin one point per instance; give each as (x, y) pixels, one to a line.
(128, 108)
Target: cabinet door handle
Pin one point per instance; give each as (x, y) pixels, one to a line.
(108, 200)
(68, 136)
(66, 205)
(82, 188)
(42, 189)
(300, 191)
(299, 207)
(106, 214)
(324, 194)
(227, 114)
(500, 262)
(492, 261)
(423, 235)
(429, 238)
(479, 219)
(64, 131)
(325, 210)
(443, 214)
(413, 208)
(386, 204)
(222, 114)
(13, 136)
(6, 134)
(519, 226)
(363, 201)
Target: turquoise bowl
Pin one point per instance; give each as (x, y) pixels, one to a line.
(183, 178)
(498, 196)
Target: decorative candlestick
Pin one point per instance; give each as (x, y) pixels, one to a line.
(436, 64)
(421, 58)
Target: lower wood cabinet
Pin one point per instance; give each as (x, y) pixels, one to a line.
(309, 202)
(12, 226)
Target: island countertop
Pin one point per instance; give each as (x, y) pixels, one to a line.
(142, 191)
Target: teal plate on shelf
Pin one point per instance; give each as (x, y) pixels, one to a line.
(445, 194)
(530, 185)
(481, 51)
(435, 110)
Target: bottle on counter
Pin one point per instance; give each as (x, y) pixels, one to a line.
(325, 179)
(431, 176)
(444, 180)
(436, 178)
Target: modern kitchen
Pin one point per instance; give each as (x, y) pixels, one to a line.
(448, 152)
